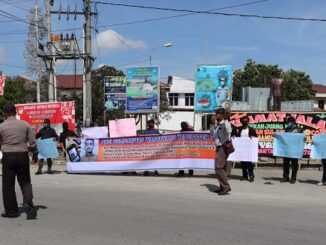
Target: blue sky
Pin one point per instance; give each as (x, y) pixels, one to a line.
(197, 38)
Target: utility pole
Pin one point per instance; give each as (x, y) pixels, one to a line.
(51, 49)
(88, 61)
(38, 90)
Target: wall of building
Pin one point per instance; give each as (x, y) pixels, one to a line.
(319, 99)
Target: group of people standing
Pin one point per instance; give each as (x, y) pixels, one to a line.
(16, 139)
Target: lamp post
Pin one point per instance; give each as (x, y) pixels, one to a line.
(166, 45)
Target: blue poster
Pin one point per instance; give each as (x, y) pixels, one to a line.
(318, 147)
(115, 93)
(213, 87)
(142, 90)
(47, 148)
(288, 145)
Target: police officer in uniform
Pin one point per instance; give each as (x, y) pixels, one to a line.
(15, 136)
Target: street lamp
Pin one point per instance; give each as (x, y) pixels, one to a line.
(165, 45)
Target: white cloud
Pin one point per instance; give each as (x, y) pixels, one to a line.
(111, 40)
(239, 48)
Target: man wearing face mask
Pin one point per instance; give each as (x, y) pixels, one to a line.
(246, 131)
(46, 133)
(291, 128)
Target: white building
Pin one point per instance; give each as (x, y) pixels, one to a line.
(320, 97)
(181, 96)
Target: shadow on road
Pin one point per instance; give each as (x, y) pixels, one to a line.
(273, 178)
(309, 181)
(22, 210)
(211, 188)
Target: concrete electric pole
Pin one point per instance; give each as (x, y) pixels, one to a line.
(88, 61)
(51, 49)
(38, 90)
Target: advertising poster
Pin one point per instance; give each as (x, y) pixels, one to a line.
(213, 87)
(268, 123)
(57, 112)
(170, 151)
(142, 90)
(115, 93)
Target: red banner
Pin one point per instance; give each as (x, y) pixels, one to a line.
(57, 112)
(2, 84)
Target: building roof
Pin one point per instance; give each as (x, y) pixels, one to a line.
(70, 81)
(182, 85)
(319, 88)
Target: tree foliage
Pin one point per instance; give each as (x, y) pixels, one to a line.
(17, 91)
(297, 85)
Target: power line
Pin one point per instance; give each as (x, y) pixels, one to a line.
(182, 15)
(14, 5)
(14, 66)
(213, 13)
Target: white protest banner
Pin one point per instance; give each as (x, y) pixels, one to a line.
(246, 149)
(170, 151)
(95, 132)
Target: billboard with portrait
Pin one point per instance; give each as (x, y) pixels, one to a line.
(142, 90)
(213, 87)
(115, 93)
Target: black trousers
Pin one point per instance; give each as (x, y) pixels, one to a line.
(15, 164)
(41, 163)
(324, 170)
(247, 169)
(286, 167)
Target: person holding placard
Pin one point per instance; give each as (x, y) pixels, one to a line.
(246, 131)
(151, 130)
(46, 133)
(291, 127)
(323, 181)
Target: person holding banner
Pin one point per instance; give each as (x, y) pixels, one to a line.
(46, 133)
(246, 131)
(291, 127)
(184, 128)
(15, 137)
(150, 130)
(221, 132)
(323, 181)
(66, 133)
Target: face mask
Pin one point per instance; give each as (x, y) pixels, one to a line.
(46, 125)
(288, 125)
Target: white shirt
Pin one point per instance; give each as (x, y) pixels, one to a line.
(245, 132)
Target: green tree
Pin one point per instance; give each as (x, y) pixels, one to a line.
(17, 91)
(254, 75)
(297, 85)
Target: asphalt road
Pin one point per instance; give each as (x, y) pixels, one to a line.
(127, 209)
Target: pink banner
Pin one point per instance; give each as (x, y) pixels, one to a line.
(122, 127)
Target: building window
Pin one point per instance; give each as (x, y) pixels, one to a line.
(321, 104)
(173, 99)
(189, 99)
